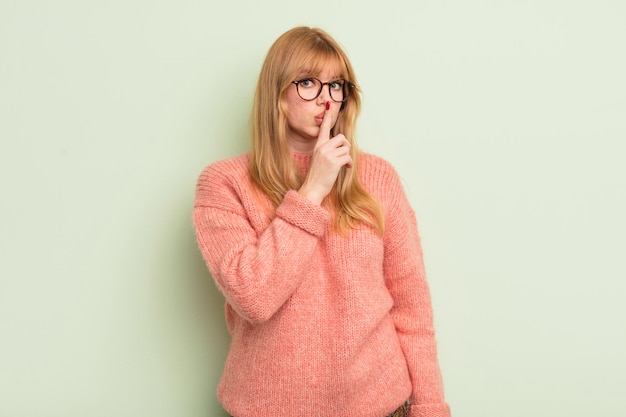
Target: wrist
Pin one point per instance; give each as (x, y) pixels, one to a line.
(311, 195)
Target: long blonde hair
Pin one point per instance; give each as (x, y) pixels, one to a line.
(271, 165)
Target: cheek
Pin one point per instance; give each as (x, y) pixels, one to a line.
(293, 100)
(294, 107)
(294, 114)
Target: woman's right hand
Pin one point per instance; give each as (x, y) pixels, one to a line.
(329, 156)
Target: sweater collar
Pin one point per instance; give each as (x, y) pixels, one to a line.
(302, 161)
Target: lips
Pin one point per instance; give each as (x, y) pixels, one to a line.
(319, 118)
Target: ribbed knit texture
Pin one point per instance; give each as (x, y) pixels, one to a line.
(322, 325)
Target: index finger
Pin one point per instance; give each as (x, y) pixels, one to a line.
(325, 126)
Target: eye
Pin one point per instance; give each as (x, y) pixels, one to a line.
(306, 83)
(337, 85)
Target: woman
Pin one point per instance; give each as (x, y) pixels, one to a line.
(316, 250)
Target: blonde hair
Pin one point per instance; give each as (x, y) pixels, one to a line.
(310, 50)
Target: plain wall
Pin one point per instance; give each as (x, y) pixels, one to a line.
(505, 119)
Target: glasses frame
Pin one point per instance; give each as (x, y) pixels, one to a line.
(347, 91)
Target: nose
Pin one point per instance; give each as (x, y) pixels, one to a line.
(325, 93)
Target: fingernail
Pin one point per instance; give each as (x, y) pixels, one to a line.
(328, 105)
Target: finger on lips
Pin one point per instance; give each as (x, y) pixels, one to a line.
(338, 141)
(325, 126)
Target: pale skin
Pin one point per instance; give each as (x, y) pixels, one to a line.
(309, 125)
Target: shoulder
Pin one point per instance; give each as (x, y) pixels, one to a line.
(234, 167)
(382, 181)
(376, 172)
(222, 178)
(374, 161)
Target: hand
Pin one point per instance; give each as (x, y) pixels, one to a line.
(329, 156)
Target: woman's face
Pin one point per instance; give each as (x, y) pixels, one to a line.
(305, 117)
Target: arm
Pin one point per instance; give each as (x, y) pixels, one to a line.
(412, 311)
(257, 273)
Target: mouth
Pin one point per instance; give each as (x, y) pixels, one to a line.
(319, 118)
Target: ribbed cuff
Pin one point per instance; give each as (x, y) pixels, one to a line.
(300, 212)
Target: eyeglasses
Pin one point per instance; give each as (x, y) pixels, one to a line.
(310, 88)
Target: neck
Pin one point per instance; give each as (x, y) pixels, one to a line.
(300, 144)
(301, 147)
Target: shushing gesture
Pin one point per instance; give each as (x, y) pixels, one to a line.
(329, 155)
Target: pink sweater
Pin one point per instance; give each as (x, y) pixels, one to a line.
(322, 325)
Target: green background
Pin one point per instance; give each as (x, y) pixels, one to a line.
(505, 119)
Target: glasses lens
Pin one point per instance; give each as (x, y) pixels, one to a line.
(336, 89)
(340, 90)
(347, 89)
(309, 89)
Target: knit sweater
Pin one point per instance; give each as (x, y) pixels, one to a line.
(321, 324)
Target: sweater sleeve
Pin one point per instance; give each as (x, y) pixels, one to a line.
(412, 311)
(257, 271)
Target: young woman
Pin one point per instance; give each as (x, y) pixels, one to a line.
(316, 250)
